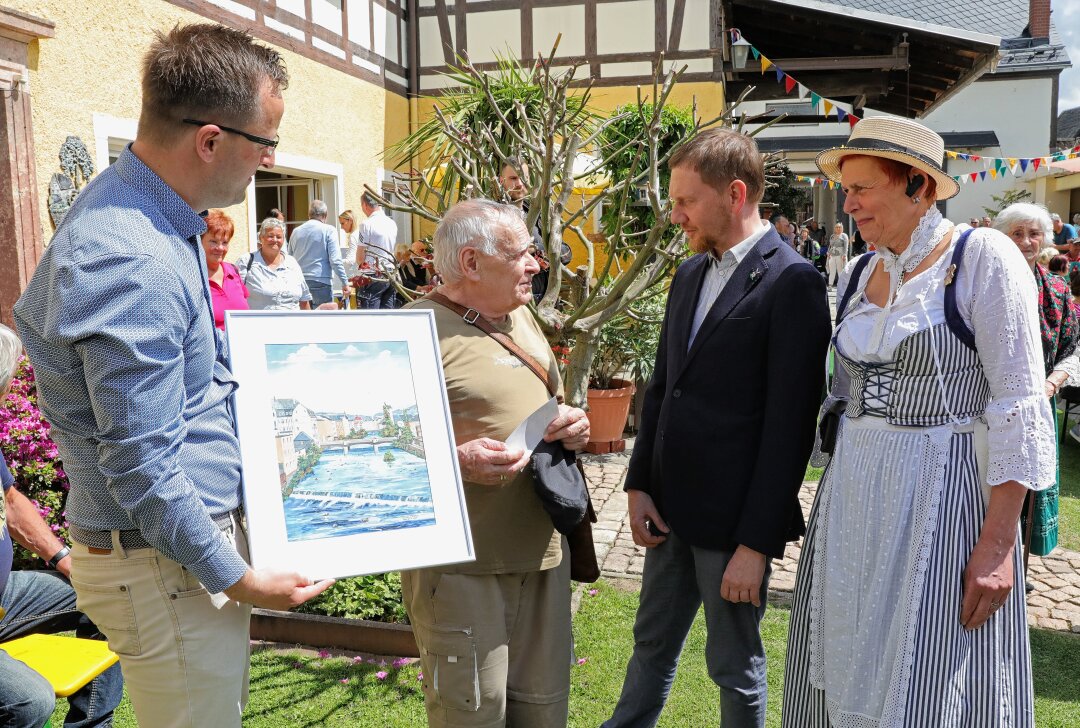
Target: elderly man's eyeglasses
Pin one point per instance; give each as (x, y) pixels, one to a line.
(263, 141)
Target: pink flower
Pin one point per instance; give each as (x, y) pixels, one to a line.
(420, 676)
(344, 681)
(582, 660)
(400, 662)
(358, 660)
(382, 674)
(323, 654)
(593, 592)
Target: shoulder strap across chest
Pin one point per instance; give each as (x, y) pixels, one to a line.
(953, 318)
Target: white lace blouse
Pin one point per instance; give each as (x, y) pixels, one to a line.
(998, 300)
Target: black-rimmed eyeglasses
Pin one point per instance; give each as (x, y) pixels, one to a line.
(268, 143)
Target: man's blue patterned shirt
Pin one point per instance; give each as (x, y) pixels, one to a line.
(131, 374)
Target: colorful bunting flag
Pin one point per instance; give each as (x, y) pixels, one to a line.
(814, 100)
(1024, 164)
(982, 175)
(993, 172)
(840, 114)
(852, 120)
(789, 83)
(802, 91)
(1035, 163)
(756, 52)
(974, 176)
(779, 74)
(765, 64)
(828, 107)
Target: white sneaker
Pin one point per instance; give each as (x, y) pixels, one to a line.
(1074, 432)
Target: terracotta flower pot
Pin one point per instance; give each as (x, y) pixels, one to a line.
(608, 409)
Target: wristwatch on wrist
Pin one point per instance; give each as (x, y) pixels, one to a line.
(58, 557)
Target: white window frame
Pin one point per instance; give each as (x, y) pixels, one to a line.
(107, 129)
(329, 174)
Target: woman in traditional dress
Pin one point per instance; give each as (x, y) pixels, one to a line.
(1029, 226)
(905, 612)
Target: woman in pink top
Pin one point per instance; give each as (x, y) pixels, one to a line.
(226, 289)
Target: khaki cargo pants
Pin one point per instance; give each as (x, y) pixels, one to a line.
(495, 648)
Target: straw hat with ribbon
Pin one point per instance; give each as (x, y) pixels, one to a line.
(891, 137)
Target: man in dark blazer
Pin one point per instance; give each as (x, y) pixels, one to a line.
(727, 429)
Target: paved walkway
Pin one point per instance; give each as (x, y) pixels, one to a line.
(1055, 603)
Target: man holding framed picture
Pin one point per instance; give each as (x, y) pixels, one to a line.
(133, 377)
(494, 634)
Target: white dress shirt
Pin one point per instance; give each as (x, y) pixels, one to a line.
(718, 273)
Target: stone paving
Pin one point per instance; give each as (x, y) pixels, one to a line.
(1055, 603)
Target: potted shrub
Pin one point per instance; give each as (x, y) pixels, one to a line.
(624, 360)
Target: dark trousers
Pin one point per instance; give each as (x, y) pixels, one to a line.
(679, 578)
(377, 294)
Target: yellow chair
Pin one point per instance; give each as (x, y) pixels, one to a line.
(68, 663)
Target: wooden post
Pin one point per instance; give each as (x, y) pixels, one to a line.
(21, 240)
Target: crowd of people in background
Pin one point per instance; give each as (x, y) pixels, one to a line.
(294, 272)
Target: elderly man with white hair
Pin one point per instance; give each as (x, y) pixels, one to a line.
(494, 634)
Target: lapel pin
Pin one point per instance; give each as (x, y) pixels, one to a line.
(755, 275)
(950, 274)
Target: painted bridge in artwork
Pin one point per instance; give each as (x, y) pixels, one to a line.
(349, 445)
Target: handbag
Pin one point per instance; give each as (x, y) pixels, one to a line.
(583, 565)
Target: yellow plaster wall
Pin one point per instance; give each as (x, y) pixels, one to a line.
(710, 97)
(93, 65)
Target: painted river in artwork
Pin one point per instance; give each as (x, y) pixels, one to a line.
(359, 492)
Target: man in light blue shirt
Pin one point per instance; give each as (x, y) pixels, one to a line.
(133, 378)
(315, 247)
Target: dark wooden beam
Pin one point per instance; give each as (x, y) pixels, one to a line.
(444, 32)
(677, 13)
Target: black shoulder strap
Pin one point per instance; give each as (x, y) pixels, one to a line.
(952, 313)
(472, 317)
(852, 284)
(247, 271)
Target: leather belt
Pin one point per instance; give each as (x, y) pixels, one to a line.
(101, 541)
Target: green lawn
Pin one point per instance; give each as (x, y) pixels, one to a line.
(290, 691)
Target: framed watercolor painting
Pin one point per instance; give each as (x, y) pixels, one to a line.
(348, 453)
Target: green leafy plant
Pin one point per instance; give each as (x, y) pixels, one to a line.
(405, 437)
(1002, 201)
(789, 198)
(627, 345)
(389, 427)
(376, 597)
(630, 122)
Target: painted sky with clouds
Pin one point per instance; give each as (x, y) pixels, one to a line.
(1066, 14)
(356, 378)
